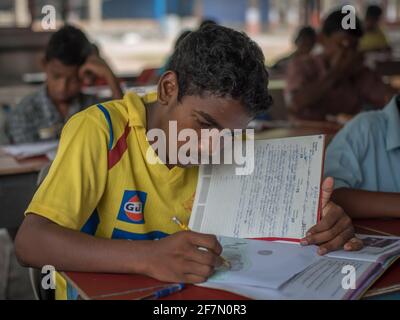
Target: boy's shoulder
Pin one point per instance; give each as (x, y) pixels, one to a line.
(114, 114)
(101, 114)
(368, 120)
(366, 127)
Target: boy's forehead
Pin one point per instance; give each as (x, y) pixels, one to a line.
(226, 111)
(60, 67)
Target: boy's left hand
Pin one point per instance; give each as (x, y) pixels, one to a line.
(335, 230)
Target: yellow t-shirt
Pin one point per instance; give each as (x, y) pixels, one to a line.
(100, 182)
(374, 40)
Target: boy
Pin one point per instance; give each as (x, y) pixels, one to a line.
(101, 182)
(69, 58)
(335, 81)
(305, 41)
(364, 159)
(374, 38)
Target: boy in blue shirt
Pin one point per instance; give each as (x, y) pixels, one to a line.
(364, 160)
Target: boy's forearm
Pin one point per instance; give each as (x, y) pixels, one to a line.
(368, 204)
(41, 242)
(308, 96)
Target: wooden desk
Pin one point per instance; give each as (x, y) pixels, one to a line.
(11, 166)
(117, 286)
(390, 280)
(17, 186)
(388, 68)
(102, 286)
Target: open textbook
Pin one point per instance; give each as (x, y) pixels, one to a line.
(280, 199)
(274, 270)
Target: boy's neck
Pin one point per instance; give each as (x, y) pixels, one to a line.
(63, 109)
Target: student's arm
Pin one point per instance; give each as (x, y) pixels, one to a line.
(382, 93)
(100, 68)
(307, 95)
(368, 204)
(174, 259)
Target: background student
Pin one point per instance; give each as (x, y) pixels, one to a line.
(374, 39)
(364, 159)
(304, 42)
(69, 59)
(336, 80)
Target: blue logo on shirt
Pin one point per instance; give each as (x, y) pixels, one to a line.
(132, 207)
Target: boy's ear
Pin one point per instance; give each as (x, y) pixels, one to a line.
(167, 89)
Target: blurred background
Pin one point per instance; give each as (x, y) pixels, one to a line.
(135, 38)
(134, 34)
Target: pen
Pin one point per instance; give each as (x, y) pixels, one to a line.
(180, 224)
(186, 228)
(164, 292)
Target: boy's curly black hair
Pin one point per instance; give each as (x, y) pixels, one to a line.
(222, 62)
(69, 45)
(333, 23)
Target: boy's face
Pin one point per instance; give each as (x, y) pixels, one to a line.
(339, 41)
(305, 45)
(202, 112)
(371, 22)
(63, 84)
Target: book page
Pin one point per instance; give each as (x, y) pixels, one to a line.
(279, 199)
(324, 280)
(376, 249)
(320, 281)
(266, 264)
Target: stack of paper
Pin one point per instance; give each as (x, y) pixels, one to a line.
(28, 150)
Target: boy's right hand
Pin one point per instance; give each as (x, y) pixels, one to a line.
(177, 258)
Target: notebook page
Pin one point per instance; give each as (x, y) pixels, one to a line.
(279, 199)
(376, 249)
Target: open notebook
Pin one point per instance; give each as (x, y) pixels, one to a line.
(279, 200)
(274, 270)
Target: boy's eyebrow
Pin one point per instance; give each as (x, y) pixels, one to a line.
(210, 119)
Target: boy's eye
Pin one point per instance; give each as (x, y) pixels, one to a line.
(204, 124)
